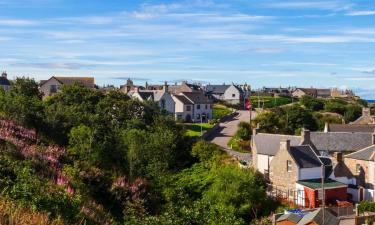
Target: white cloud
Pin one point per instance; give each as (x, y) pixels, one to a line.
(17, 22)
(320, 5)
(361, 13)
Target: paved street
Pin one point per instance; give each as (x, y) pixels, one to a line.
(228, 129)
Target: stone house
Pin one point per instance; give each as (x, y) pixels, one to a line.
(162, 97)
(231, 94)
(52, 86)
(192, 106)
(4, 82)
(265, 146)
(297, 172)
(366, 118)
(185, 87)
(313, 92)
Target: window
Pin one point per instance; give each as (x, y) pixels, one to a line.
(53, 88)
(198, 106)
(188, 108)
(206, 106)
(233, 95)
(358, 168)
(198, 116)
(289, 166)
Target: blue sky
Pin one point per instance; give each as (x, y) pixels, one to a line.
(323, 43)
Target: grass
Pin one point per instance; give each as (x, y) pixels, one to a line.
(239, 145)
(270, 102)
(194, 129)
(219, 111)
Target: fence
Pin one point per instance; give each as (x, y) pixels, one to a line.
(295, 198)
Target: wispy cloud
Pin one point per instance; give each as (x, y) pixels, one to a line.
(17, 22)
(69, 66)
(319, 5)
(361, 13)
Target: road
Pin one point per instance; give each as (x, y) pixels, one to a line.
(228, 129)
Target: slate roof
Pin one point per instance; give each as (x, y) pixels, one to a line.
(291, 217)
(154, 95)
(269, 144)
(85, 81)
(364, 154)
(317, 217)
(183, 99)
(217, 89)
(304, 156)
(309, 91)
(323, 92)
(146, 95)
(4, 81)
(196, 97)
(367, 128)
(340, 141)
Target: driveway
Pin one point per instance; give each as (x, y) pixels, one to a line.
(227, 129)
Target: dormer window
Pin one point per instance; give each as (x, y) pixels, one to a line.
(289, 166)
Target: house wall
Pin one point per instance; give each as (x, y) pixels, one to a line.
(263, 162)
(5, 87)
(298, 93)
(204, 109)
(169, 103)
(45, 88)
(366, 176)
(180, 110)
(279, 176)
(336, 193)
(232, 95)
(310, 173)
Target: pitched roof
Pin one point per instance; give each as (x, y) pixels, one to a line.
(85, 81)
(317, 217)
(340, 141)
(183, 99)
(291, 217)
(368, 128)
(154, 95)
(304, 156)
(309, 91)
(4, 81)
(146, 95)
(196, 97)
(364, 154)
(323, 92)
(269, 144)
(217, 89)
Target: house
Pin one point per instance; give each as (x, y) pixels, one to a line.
(306, 217)
(366, 117)
(231, 94)
(297, 172)
(51, 86)
(129, 86)
(192, 106)
(185, 87)
(265, 146)
(162, 97)
(313, 92)
(4, 82)
(361, 165)
(347, 93)
(271, 91)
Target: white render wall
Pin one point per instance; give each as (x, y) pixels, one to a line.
(228, 95)
(310, 173)
(263, 162)
(169, 103)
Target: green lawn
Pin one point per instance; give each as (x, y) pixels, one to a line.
(270, 102)
(219, 111)
(194, 129)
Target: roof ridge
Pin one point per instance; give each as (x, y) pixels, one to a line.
(361, 150)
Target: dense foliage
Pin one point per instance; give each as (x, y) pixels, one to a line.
(309, 113)
(84, 157)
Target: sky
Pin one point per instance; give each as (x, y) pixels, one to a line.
(320, 43)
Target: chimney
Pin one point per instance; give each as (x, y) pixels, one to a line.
(373, 137)
(4, 74)
(366, 112)
(285, 144)
(165, 86)
(305, 134)
(146, 85)
(338, 157)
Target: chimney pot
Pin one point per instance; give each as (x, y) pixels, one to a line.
(305, 137)
(338, 156)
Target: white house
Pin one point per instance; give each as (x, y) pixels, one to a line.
(232, 94)
(192, 106)
(162, 97)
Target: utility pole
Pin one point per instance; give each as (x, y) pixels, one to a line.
(323, 194)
